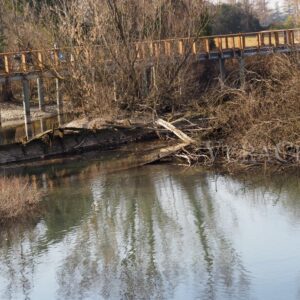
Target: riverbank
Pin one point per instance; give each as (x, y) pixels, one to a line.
(236, 124)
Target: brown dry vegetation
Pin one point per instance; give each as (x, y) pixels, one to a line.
(114, 24)
(252, 121)
(18, 198)
(260, 123)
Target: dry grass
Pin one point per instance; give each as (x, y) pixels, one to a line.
(260, 122)
(18, 198)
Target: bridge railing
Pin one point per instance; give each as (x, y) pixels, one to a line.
(54, 59)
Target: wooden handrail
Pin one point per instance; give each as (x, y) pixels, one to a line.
(38, 58)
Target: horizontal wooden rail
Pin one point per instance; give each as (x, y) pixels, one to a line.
(30, 61)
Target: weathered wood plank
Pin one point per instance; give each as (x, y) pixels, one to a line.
(68, 141)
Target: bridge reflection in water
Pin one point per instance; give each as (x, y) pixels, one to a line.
(155, 232)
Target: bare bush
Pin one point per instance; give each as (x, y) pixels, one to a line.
(109, 76)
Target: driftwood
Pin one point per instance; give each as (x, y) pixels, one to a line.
(181, 135)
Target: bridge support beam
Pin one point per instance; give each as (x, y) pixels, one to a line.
(59, 102)
(26, 106)
(43, 125)
(41, 93)
(242, 72)
(222, 70)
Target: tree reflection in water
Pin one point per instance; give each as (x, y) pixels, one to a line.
(150, 234)
(153, 232)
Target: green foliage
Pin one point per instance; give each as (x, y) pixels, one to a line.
(288, 23)
(233, 19)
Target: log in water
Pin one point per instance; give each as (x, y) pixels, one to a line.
(64, 141)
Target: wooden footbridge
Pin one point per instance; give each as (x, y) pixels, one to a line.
(38, 64)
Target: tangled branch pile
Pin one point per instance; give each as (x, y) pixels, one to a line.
(18, 198)
(261, 123)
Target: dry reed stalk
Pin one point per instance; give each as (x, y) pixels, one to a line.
(18, 197)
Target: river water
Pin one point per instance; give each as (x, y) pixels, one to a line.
(154, 232)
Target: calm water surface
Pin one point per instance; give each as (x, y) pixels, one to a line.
(155, 232)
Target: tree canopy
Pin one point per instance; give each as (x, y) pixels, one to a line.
(233, 19)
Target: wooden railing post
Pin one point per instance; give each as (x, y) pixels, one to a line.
(262, 39)
(168, 48)
(292, 37)
(240, 42)
(40, 60)
(194, 48)
(233, 42)
(6, 64)
(243, 42)
(220, 46)
(151, 49)
(180, 47)
(226, 43)
(156, 49)
(276, 37)
(24, 63)
(286, 37)
(207, 46)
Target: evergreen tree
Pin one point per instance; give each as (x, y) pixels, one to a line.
(234, 19)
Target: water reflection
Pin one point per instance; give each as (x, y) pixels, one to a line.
(156, 232)
(16, 133)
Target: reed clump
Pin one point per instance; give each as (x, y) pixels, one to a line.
(18, 198)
